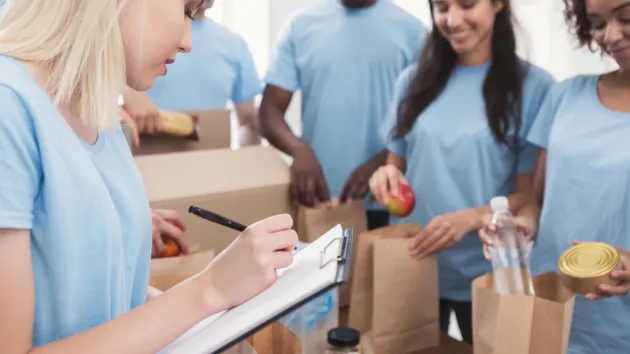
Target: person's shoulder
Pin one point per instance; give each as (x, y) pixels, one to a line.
(14, 90)
(536, 74)
(570, 88)
(395, 11)
(226, 36)
(218, 33)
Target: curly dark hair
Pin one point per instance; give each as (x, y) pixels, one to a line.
(579, 25)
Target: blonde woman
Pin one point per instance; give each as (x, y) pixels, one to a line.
(75, 225)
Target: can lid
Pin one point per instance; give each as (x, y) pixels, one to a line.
(588, 260)
(343, 337)
(499, 203)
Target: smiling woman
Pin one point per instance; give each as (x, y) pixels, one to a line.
(75, 225)
(456, 135)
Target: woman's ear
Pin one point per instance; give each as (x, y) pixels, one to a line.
(497, 5)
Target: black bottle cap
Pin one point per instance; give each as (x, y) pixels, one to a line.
(344, 337)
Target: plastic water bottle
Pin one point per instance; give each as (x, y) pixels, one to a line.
(510, 266)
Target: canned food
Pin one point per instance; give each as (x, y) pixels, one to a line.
(585, 266)
(180, 124)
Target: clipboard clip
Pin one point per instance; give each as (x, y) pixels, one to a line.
(342, 256)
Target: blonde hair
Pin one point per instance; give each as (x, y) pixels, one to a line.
(79, 42)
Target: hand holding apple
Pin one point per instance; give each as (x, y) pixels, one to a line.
(401, 204)
(391, 190)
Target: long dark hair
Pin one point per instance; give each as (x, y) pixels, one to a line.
(502, 88)
(579, 25)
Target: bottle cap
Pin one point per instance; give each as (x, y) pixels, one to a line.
(343, 337)
(499, 204)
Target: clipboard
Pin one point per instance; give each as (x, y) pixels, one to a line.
(320, 267)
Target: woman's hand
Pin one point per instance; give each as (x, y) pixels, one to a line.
(527, 225)
(622, 277)
(443, 232)
(167, 225)
(248, 266)
(387, 178)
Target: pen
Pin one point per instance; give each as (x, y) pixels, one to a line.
(218, 219)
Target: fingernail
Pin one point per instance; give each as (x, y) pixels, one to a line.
(589, 296)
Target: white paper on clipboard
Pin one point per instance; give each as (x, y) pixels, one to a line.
(317, 268)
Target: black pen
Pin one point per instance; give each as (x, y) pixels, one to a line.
(218, 219)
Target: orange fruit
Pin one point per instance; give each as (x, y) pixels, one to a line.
(170, 249)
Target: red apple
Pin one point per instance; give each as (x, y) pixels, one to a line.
(401, 205)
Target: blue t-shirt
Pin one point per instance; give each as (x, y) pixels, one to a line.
(219, 69)
(455, 163)
(345, 62)
(84, 204)
(587, 198)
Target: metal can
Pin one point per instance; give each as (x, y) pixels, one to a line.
(587, 265)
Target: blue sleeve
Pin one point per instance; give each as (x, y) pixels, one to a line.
(20, 166)
(537, 86)
(248, 84)
(398, 146)
(420, 34)
(541, 127)
(283, 70)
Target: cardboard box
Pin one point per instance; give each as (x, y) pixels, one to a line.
(214, 133)
(167, 272)
(246, 185)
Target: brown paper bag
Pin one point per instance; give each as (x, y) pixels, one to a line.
(394, 297)
(275, 339)
(313, 222)
(522, 324)
(167, 272)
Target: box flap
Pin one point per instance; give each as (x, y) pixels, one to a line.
(204, 172)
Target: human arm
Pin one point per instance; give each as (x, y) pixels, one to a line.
(246, 87)
(126, 120)
(390, 175)
(246, 268)
(152, 324)
(143, 111)
(248, 132)
(357, 186)
(446, 230)
(308, 185)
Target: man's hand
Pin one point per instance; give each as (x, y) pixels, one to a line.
(358, 185)
(308, 185)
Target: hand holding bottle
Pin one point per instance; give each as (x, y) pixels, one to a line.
(525, 224)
